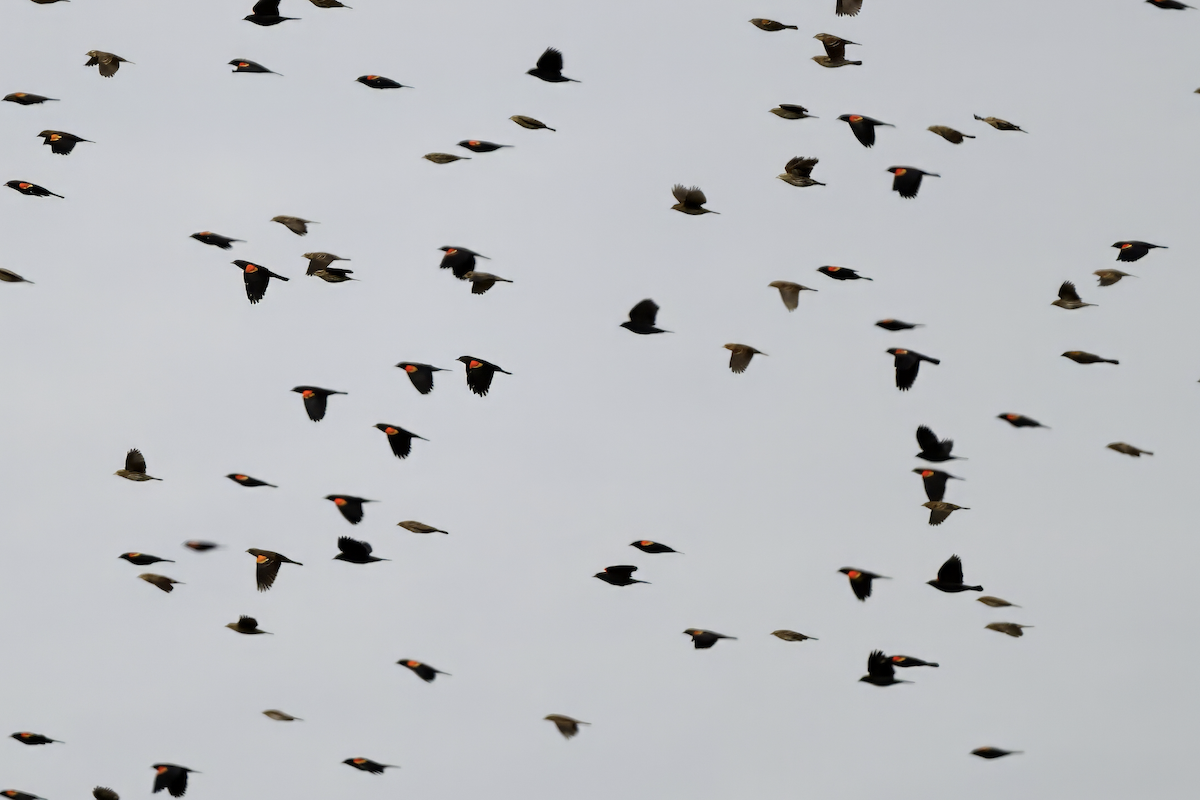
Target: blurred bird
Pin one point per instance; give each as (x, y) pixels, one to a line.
(60, 142)
(842, 274)
(950, 578)
(897, 325)
(880, 670)
(530, 123)
(8, 276)
(459, 260)
(103, 792)
(246, 480)
(27, 99)
(792, 636)
(647, 546)
(798, 172)
(246, 65)
(741, 355)
(771, 25)
(281, 716)
(246, 625)
(200, 546)
(109, 63)
(135, 467)
(380, 82)
(1068, 298)
(863, 127)
(907, 180)
(1021, 421)
(835, 51)
(480, 374)
(257, 278)
(421, 375)
(860, 581)
(171, 777)
(1129, 450)
(848, 8)
(1133, 250)
(910, 661)
(161, 581)
(999, 124)
(1009, 628)
(31, 189)
(25, 737)
(908, 364)
(315, 400)
(549, 68)
(268, 563)
(350, 506)
(143, 559)
(566, 726)
(691, 201)
(296, 225)
(319, 261)
(702, 639)
(367, 765)
(1080, 357)
(642, 318)
(996, 752)
(949, 134)
(215, 239)
(939, 512)
(444, 158)
(619, 575)
(419, 527)
(266, 12)
(1110, 276)
(355, 551)
(994, 602)
(789, 292)
(16, 794)
(932, 448)
(791, 111)
(479, 146)
(423, 670)
(329, 4)
(482, 281)
(399, 439)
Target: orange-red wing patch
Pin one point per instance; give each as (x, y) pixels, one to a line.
(833, 269)
(360, 761)
(451, 251)
(475, 364)
(1126, 246)
(161, 770)
(251, 268)
(925, 473)
(855, 118)
(307, 393)
(901, 352)
(243, 64)
(645, 542)
(261, 559)
(1011, 416)
(18, 94)
(900, 172)
(133, 555)
(372, 77)
(25, 735)
(410, 368)
(24, 185)
(412, 663)
(473, 143)
(54, 137)
(240, 477)
(204, 233)
(854, 574)
(898, 659)
(390, 431)
(339, 501)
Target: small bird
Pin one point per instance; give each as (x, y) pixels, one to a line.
(276, 714)
(621, 575)
(315, 400)
(999, 124)
(791, 111)
(103, 792)
(27, 99)
(908, 364)
(482, 281)
(480, 146)
(60, 142)
(642, 318)
(1021, 421)
(835, 51)
(215, 239)
(161, 581)
(420, 527)
(350, 506)
(567, 726)
(31, 189)
(740, 356)
(256, 277)
(910, 661)
(135, 467)
(8, 276)
(647, 546)
(691, 201)
(380, 82)
(907, 180)
(1110, 276)
(109, 63)
(268, 563)
(200, 546)
(848, 8)
(143, 559)
(549, 68)
(994, 602)
(266, 12)
(459, 260)
(702, 639)
(16, 794)
(329, 4)
(897, 325)
(444, 158)
(1129, 450)
(367, 765)
(1133, 250)
(860, 581)
(1080, 357)
(421, 375)
(246, 625)
(842, 274)
(932, 448)
(355, 551)
(530, 123)
(880, 670)
(996, 752)
(1009, 628)
(319, 262)
(480, 374)
(798, 172)
(789, 292)
(171, 777)
(792, 636)
(399, 439)
(863, 127)
(296, 225)
(25, 737)
(1068, 298)
(950, 578)
(939, 512)
(423, 670)
(246, 65)
(246, 480)
(771, 25)
(949, 134)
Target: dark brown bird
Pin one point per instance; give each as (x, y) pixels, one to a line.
(367, 765)
(647, 546)
(27, 99)
(266, 12)
(420, 527)
(939, 512)
(1110, 276)
(567, 726)
(296, 225)
(350, 506)
(792, 111)
(1133, 250)
(949, 134)
(315, 400)
(247, 625)
(480, 146)
(1080, 357)
(215, 239)
(246, 480)
(908, 364)
(642, 318)
(848, 8)
(421, 375)
(792, 636)
(444, 158)
(423, 670)
(171, 777)
(355, 551)
(798, 172)
(1129, 450)
(1068, 298)
(280, 716)
(482, 281)
(380, 82)
(880, 670)
(771, 25)
(999, 124)
(549, 68)
(399, 439)
(256, 277)
(910, 661)
(863, 127)
(950, 578)
(1020, 421)
(60, 142)
(702, 639)
(621, 575)
(135, 467)
(994, 602)
(480, 374)
(200, 546)
(897, 325)
(8, 276)
(835, 51)
(530, 123)
(740, 356)
(996, 752)
(321, 265)
(860, 581)
(1008, 628)
(246, 65)
(143, 559)
(842, 274)
(103, 792)
(907, 180)
(25, 737)
(31, 189)
(790, 293)
(932, 448)
(459, 260)
(268, 563)
(691, 200)
(935, 482)
(108, 63)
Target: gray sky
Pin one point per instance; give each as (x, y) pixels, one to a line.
(137, 336)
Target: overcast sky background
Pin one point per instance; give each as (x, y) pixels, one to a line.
(135, 335)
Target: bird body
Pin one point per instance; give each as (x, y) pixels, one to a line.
(480, 374)
(1068, 298)
(135, 467)
(60, 142)
(939, 512)
(215, 239)
(906, 181)
(771, 25)
(25, 737)
(798, 172)
(421, 375)
(642, 318)
(380, 82)
(246, 480)
(246, 625)
(399, 439)
(908, 364)
(567, 726)
(863, 127)
(934, 449)
(880, 670)
(702, 639)
(8, 276)
(246, 65)
(530, 123)
(1020, 421)
(315, 400)
(1110, 276)
(422, 670)
(996, 752)
(27, 99)
(171, 777)
(950, 578)
(910, 661)
(257, 278)
(549, 67)
(355, 551)
(108, 63)
(1129, 450)
(281, 716)
(266, 13)
(1008, 628)
(482, 281)
(842, 274)
(459, 260)
(789, 292)
(32, 189)
(1081, 357)
(160, 581)
(860, 581)
(296, 225)
(621, 575)
(792, 636)
(1132, 250)
(419, 527)
(690, 200)
(791, 111)
(350, 506)
(267, 567)
(740, 356)
(950, 134)
(994, 602)
(367, 765)
(999, 124)
(835, 51)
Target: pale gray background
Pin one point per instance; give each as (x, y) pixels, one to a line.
(136, 335)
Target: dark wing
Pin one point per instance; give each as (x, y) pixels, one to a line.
(680, 192)
(421, 377)
(1067, 292)
(848, 8)
(864, 132)
(266, 572)
(695, 197)
(644, 313)
(907, 367)
(315, 406)
(907, 183)
(352, 510)
(256, 283)
(861, 586)
(880, 666)
(135, 461)
(835, 48)
(269, 8)
(937, 516)
(927, 440)
(401, 442)
(739, 360)
(621, 571)
(550, 61)
(951, 571)
(480, 379)
(935, 485)
(353, 547)
(800, 166)
(792, 107)
(247, 622)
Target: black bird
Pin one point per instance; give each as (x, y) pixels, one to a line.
(171, 777)
(480, 146)
(702, 639)
(897, 325)
(61, 143)
(480, 373)
(315, 399)
(880, 670)
(1133, 250)
(642, 318)
(549, 68)
(647, 546)
(935, 482)
(907, 180)
(459, 260)
(355, 551)
(31, 189)
(380, 82)
(423, 670)
(27, 99)
(863, 127)
(950, 578)
(1020, 421)
(25, 737)
(256, 278)
(909, 661)
(143, 559)
(399, 439)
(996, 752)
(421, 375)
(17, 794)
(215, 239)
(246, 480)
(842, 274)
(267, 564)
(246, 65)
(350, 506)
(932, 448)
(266, 12)
(367, 765)
(860, 581)
(619, 575)
(908, 363)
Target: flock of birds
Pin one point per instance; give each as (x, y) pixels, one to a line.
(642, 320)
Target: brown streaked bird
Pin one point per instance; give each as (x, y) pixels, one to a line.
(890, 324)
(949, 134)
(482, 281)
(939, 512)
(996, 752)
(480, 146)
(444, 158)
(459, 260)
(200, 546)
(421, 375)
(1129, 449)
(8, 276)
(1081, 357)
(246, 480)
(32, 189)
(863, 127)
(642, 318)
(835, 51)
(27, 99)
(798, 172)
(999, 124)
(420, 527)
(399, 439)
(171, 777)
(60, 142)
(906, 181)
(315, 400)
(792, 111)
(934, 449)
(567, 726)
(792, 636)
(848, 8)
(620, 575)
(135, 467)
(246, 625)
(860, 581)
(702, 639)
(740, 356)
(771, 25)
(266, 12)
(647, 546)
(1021, 421)
(880, 670)
(530, 123)
(252, 67)
(215, 239)
(908, 364)
(256, 277)
(355, 551)
(25, 737)
(1110, 276)
(280, 716)
(994, 602)
(691, 200)
(161, 581)
(143, 559)
(1008, 628)
(950, 578)
(423, 670)
(367, 765)
(350, 506)
(1068, 298)
(296, 225)
(318, 261)
(480, 374)
(267, 566)
(911, 661)
(789, 293)
(108, 63)
(103, 792)
(549, 67)
(842, 274)
(1133, 250)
